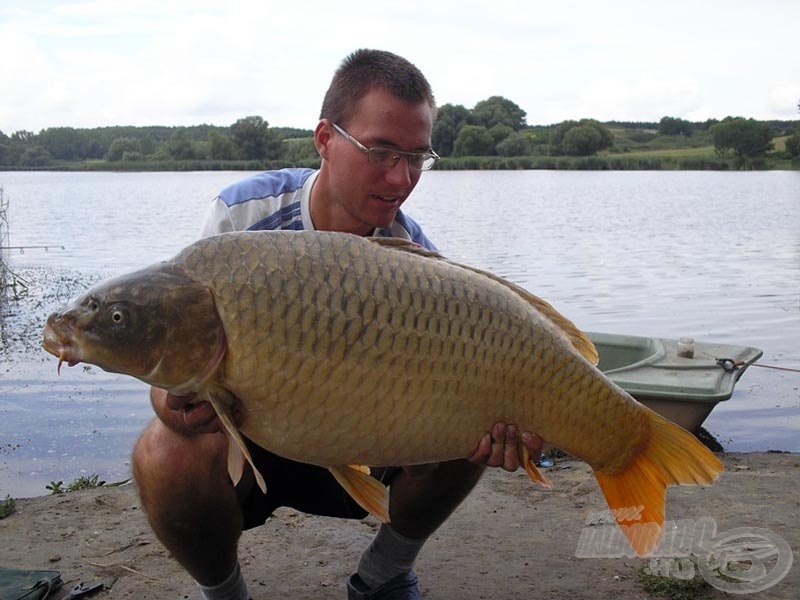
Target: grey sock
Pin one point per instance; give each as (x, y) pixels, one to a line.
(233, 588)
(389, 555)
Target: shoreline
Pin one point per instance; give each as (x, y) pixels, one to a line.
(509, 539)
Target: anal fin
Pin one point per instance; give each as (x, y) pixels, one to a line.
(370, 493)
(531, 469)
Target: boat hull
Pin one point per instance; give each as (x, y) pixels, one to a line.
(683, 382)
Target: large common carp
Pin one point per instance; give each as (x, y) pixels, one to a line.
(346, 351)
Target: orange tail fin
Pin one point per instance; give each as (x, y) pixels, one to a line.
(672, 456)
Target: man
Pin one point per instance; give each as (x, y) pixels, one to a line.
(374, 138)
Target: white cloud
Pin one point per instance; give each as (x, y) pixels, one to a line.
(90, 63)
(784, 100)
(641, 99)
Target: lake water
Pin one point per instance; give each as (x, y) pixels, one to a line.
(714, 256)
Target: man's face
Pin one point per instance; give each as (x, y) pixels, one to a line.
(357, 195)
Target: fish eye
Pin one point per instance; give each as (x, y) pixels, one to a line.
(118, 315)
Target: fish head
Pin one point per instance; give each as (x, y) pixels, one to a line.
(156, 325)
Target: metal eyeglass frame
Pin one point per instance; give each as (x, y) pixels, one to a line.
(388, 157)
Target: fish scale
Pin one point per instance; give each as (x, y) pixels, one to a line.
(414, 360)
(342, 351)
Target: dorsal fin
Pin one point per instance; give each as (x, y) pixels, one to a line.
(407, 245)
(579, 340)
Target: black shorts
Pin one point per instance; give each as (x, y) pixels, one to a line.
(307, 488)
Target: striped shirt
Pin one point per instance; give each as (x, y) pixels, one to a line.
(281, 200)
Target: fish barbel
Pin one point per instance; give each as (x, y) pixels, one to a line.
(344, 351)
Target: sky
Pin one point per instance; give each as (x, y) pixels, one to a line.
(92, 63)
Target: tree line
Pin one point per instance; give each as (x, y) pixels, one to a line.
(497, 127)
(494, 127)
(248, 139)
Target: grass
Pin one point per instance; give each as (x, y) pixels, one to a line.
(674, 588)
(9, 505)
(702, 152)
(81, 483)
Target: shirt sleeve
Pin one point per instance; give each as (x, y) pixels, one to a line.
(218, 219)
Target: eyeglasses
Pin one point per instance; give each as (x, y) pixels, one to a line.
(387, 157)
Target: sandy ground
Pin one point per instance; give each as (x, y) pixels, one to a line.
(509, 539)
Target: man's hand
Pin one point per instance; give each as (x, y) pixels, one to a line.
(183, 414)
(500, 447)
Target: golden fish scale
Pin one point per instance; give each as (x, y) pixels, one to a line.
(374, 355)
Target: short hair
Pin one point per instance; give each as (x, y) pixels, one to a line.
(364, 69)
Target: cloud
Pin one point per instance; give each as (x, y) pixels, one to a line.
(141, 62)
(25, 82)
(784, 99)
(637, 99)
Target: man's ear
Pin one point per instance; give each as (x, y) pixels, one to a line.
(322, 137)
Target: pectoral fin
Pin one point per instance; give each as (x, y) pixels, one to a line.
(238, 453)
(370, 493)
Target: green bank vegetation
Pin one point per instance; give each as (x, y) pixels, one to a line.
(494, 134)
(7, 507)
(83, 482)
(686, 584)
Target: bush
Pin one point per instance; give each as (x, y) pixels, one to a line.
(793, 144)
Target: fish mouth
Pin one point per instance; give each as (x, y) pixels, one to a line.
(58, 345)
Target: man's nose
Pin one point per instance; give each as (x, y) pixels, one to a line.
(400, 174)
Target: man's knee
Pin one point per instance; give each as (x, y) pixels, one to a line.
(162, 456)
(151, 450)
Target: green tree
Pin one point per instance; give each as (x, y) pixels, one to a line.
(473, 140)
(299, 150)
(64, 143)
(500, 132)
(557, 136)
(516, 144)
(35, 156)
(582, 141)
(120, 146)
(793, 144)
(674, 126)
(22, 135)
(11, 149)
(450, 118)
(744, 138)
(180, 146)
(221, 147)
(497, 110)
(254, 140)
(5, 149)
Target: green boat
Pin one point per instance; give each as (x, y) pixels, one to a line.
(681, 379)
